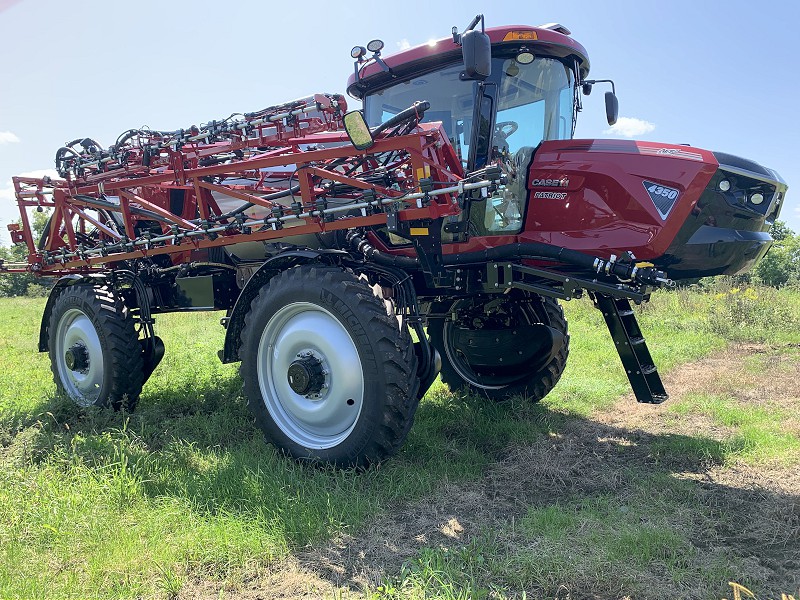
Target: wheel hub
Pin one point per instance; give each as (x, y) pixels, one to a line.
(76, 358)
(304, 334)
(306, 376)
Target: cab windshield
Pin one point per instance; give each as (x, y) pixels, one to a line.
(534, 102)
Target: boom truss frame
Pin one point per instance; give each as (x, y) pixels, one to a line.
(119, 203)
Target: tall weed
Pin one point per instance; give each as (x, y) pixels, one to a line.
(759, 314)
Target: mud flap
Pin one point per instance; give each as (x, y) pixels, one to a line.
(427, 372)
(152, 353)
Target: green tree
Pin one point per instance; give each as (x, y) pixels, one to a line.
(780, 231)
(781, 265)
(23, 284)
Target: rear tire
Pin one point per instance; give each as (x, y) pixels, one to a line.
(501, 380)
(328, 375)
(95, 354)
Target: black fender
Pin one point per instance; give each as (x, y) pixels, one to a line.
(152, 347)
(234, 322)
(60, 285)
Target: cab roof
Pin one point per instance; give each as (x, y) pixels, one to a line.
(542, 40)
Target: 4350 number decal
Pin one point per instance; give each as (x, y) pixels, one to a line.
(660, 190)
(663, 197)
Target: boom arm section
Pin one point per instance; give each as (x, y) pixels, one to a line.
(286, 170)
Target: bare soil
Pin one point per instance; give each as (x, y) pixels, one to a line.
(758, 506)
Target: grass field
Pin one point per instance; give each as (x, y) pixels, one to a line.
(585, 495)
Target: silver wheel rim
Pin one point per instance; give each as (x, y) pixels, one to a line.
(84, 385)
(316, 421)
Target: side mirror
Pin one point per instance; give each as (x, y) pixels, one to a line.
(476, 48)
(587, 89)
(612, 108)
(357, 130)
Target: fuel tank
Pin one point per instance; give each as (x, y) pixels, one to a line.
(692, 212)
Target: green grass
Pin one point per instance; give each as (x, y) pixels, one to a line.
(120, 503)
(758, 433)
(608, 545)
(677, 328)
(101, 504)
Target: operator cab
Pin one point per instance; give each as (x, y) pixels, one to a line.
(534, 102)
(530, 95)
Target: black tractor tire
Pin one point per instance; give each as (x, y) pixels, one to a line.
(533, 381)
(329, 376)
(95, 354)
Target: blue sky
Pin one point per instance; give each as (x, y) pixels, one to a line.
(717, 75)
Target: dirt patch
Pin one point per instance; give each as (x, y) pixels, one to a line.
(290, 581)
(751, 512)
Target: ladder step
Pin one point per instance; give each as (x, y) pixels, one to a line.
(632, 348)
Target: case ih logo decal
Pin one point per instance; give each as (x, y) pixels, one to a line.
(663, 197)
(562, 182)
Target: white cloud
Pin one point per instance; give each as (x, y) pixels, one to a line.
(8, 137)
(8, 202)
(403, 44)
(630, 127)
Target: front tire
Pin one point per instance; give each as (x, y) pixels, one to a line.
(329, 376)
(501, 346)
(94, 349)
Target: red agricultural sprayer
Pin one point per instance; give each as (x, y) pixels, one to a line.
(455, 205)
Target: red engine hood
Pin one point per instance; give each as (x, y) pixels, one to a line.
(607, 196)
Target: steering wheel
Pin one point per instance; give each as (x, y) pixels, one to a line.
(505, 128)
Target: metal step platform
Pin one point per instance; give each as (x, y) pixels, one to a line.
(632, 348)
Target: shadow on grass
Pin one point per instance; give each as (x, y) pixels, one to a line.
(474, 461)
(583, 510)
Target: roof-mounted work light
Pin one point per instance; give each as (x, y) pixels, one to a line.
(359, 52)
(524, 56)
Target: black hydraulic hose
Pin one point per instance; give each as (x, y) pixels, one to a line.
(416, 110)
(522, 250)
(89, 142)
(61, 152)
(45, 233)
(372, 253)
(61, 157)
(427, 371)
(625, 270)
(143, 300)
(125, 136)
